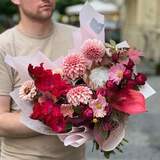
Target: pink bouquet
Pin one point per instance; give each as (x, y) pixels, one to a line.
(89, 96)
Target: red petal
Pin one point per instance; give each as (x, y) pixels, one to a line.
(130, 101)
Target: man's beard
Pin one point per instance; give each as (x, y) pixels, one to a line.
(37, 16)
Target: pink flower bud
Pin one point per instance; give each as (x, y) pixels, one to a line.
(127, 74)
(115, 57)
(130, 64)
(110, 84)
(88, 114)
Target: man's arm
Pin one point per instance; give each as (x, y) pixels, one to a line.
(10, 125)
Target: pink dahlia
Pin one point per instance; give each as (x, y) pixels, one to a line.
(116, 73)
(79, 95)
(98, 106)
(74, 66)
(93, 50)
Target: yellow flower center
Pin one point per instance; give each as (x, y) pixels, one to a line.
(120, 74)
(95, 120)
(98, 106)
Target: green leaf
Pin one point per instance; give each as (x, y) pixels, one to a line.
(107, 155)
(77, 110)
(69, 127)
(105, 134)
(97, 146)
(125, 140)
(113, 43)
(119, 149)
(94, 143)
(108, 45)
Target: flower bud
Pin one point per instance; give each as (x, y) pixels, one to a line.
(130, 64)
(127, 74)
(110, 84)
(115, 57)
(88, 114)
(141, 79)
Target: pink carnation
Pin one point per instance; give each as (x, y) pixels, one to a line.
(74, 66)
(67, 110)
(93, 50)
(79, 95)
(116, 73)
(98, 106)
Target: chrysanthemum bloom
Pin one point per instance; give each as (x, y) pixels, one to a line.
(27, 91)
(93, 50)
(79, 95)
(67, 110)
(116, 73)
(74, 66)
(98, 106)
(98, 77)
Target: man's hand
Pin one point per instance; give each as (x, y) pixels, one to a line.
(10, 125)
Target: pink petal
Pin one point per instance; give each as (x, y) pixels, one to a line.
(131, 102)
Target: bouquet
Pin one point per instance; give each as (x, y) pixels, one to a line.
(87, 95)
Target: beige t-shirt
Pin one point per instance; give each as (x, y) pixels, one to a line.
(53, 45)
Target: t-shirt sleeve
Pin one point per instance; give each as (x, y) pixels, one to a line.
(6, 78)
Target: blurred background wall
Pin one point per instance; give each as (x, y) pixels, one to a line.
(141, 26)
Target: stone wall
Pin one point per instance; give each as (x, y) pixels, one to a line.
(141, 26)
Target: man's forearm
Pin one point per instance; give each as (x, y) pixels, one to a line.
(10, 126)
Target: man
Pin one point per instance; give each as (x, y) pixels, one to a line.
(34, 32)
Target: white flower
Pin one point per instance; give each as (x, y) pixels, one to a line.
(27, 91)
(99, 76)
(108, 52)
